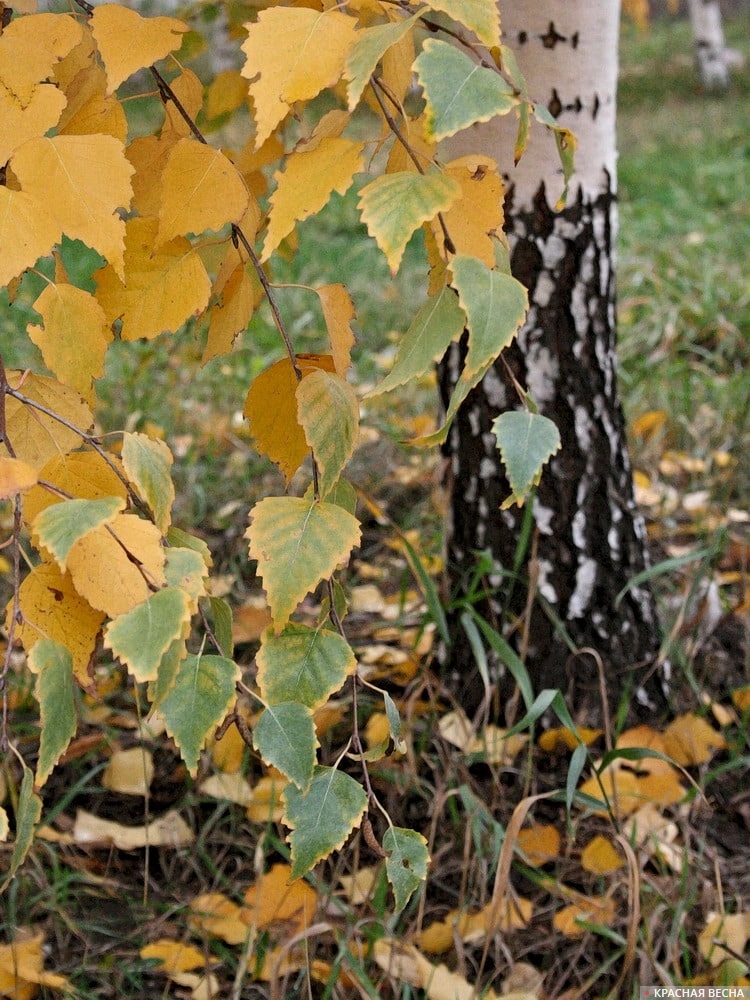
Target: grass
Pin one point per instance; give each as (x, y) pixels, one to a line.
(684, 322)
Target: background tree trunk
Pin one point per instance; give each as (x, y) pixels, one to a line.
(708, 39)
(588, 537)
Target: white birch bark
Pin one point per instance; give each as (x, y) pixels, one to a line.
(710, 48)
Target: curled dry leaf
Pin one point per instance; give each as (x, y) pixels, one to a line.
(170, 830)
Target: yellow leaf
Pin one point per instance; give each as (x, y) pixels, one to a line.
(440, 936)
(149, 154)
(90, 176)
(169, 830)
(226, 93)
(228, 753)
(231, 787)
(53, 609)
(338, 312)
(74, 336)
(15, 477)
(733, 929)
(271, 408)
(129, 772)
(293, 54)
(481, 17)
(741, 699)
(21, 122)
(620, 788)
(174, 956)
(22, 968)
(689, 740)
(201, 189)
(115, 567)
(600, 856)
(495, 747)
(563, 738)
(273, 901)
(266, 806)
(84, 475)
(594, 910)
(89, 109)
(31, 46)
(377, 730)
(216, 914)
(231, 314)
(35, 436)
(649, 424)
(475, 220)
(28, 230)
(188, 90)
(405, 964)
(309, 179)
(148, 40)
(163, 288)
(540, 844)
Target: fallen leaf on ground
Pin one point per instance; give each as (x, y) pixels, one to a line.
(540, 843)
(690, 740)
(22, 968)
(600, 857)
(129, 772)
(170, 830)
(216, 914)
(733, 929)
(592, 909)
(272, 900)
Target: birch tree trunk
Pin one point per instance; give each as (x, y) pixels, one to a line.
(588, 537)
(708, 39)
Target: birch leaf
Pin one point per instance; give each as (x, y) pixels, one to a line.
(458, 91)
(15, 477)
(197, 702)
(293, 54)
(148, 464)
(53, 665)
(141, 637)
(201, 189)
(28, 813)
(285, 738)
(338, 312)
(368, 50)
(297, 543)
(327, 411)
(83, 475)
(406, 864)
(303, 664)
(323, 818)
(61, 525)
(231, 315)
(28, 230)
(394, 206)
(440, 321)
(480, 16)
(526, 442)
(148, 40)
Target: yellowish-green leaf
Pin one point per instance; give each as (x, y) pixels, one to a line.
(28, 813)
(285, 738)
(369, 49)
(90, 177)
(480, 16)
(394, 206)
(440, 321)
(37, 437)
(148, 463)
(128, 42)
(303, 664)
(329, 415)
(53, 665)
(185, 568)
(526, 442)
(28, 230)
(201, 189)
(83, 475)
(323, 818)
(306, 184)
(167, 672)
(53, 609)
(406, 862)
(141, 637)
(61, 525)
(74, 336)
(15, 477)
(338, 312)
(199, 699)
(292, 54)
(495, 304)
(297, 543)
(458, 91)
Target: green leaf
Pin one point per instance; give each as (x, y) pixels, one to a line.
(495, 304)
(394, 722)
(183, 539)
(221, 613)
(458, 91)
(369, 49)
(394, 206)
(28, 814)
(285, 738)
(406, 864)
(61, 525)
(141, 637)
(53, 665)
(526, 441)
(440, 320)
(462, 389)
(329, 415)
(322, 818)
(148, 463)
(480, 16)
(566, 143)
(297, 543)
(302, 664)
(167, 673)
(197, 702)
(185, 568)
